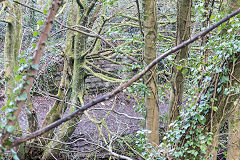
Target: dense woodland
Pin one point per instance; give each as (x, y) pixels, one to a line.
(120, 79)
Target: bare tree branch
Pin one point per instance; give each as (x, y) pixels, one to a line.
(71, 28)
(88, 33)
(123, 86)
(139, 18)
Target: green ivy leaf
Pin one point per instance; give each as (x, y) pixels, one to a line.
(10, 129)
(40, 22)
(30, 74)
(35, 66)
(225, 79)
(18, 77)
(34, 45)
(35, 33)
(22, 97)
(179, 67)
(214, 108)
(3, 108)
(184, 71)
(45, 11)
(226, 91)
(15, 157)
(219, 90)
(201, 119)
(22, 60)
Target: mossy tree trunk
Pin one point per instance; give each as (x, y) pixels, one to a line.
(57, 109)
(151, 97)
(227, 108)
(12, 45)
(78, 83)
(178, 78)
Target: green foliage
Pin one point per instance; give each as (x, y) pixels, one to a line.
(109, 2)
(19, 79)
(135, 145)
(138, 91)
(187, 137)
(35, 33)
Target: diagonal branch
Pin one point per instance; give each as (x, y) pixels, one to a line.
(123, 86)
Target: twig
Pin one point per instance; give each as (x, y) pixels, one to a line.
(119, 113)
(139, 18)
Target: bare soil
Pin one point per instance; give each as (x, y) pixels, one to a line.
(118, 116)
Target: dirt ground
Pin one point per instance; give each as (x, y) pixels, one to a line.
(120, 119)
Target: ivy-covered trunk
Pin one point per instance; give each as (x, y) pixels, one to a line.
(233, 150)
(179, 70)
(151, 80)
(225, 101)
(12, 46)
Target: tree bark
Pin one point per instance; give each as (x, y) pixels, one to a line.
(57, 109)
(12, 45)
(231, 114)
(78, 84)
(233, 151)
(225, 104)
(178, 77)
(151, 80)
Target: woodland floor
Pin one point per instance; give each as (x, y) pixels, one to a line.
(124, 120)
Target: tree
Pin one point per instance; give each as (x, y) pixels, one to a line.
(78, 80)
(233, 151)
(210, 106)
(178, 76)
(12, 46)
(151, 97)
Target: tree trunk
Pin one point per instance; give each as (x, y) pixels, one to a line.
(234, 135)
(78, 82)
(57, 109)
(225, 103)
(151, 80)
(233, 151)
(233, 139)
(178, 78)
(30, 73)
(12, 45)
